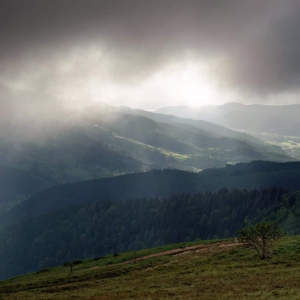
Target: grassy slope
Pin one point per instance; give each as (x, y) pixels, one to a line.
(222, 273)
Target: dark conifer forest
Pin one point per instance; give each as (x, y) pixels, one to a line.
(157, 184)
(112, 226)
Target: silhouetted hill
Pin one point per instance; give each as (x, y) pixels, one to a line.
(158, 184)
(20, 182)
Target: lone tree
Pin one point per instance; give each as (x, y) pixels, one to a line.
(261, 237)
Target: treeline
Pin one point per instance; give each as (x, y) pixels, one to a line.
(114, 226)
(160, 184)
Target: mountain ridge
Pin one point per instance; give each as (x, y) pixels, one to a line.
(103, 141)
(241, 116)
(157, 184)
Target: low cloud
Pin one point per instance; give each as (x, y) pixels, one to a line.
(64, 47)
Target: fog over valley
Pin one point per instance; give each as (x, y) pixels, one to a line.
(132, 132)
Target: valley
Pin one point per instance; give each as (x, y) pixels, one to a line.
(86, 187)
(107, 141)
(290, 144)
(111, 179)
(149, 150)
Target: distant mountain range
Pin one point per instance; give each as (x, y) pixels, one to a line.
(278, 119)
(53, 146)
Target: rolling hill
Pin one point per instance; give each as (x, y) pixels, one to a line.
(157, 184)
(278, 119)
(62, 146)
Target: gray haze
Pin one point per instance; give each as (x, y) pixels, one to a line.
(111, 50)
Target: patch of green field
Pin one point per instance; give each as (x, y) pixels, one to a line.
(205, 158)
(176, 156)
(222, 273)
(290, 144)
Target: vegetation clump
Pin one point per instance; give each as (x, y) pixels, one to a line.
(261, 237)
(42, 271)
(77, 262)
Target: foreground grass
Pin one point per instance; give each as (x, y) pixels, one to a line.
(219, 273)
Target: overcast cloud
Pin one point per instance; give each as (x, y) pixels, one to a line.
(117, 50)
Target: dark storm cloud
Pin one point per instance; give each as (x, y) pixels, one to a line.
(256, 43)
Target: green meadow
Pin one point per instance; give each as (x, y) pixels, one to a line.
(208, 270)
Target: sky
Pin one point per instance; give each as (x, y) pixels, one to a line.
(151, 54)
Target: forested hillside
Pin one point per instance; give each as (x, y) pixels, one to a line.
(158, 184)
(114, 226)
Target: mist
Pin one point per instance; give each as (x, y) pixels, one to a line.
(113, 51)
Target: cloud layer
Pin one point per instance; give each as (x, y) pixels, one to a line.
(252, 47)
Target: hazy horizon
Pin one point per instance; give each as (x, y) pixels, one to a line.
(152, 54)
